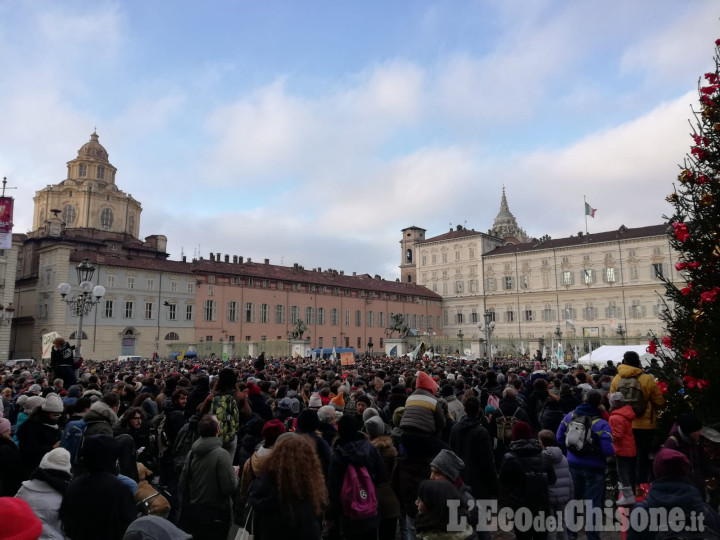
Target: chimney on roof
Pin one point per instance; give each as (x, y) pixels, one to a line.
(201, 258)
(354, 274)
(184, 258)
(459, 228)
(397, 280)
(319, 269)
(234, 259)
(212, 257)
(267, 261)
(249, 260)
(342, 272)
(295, 266)
(240, 259)
(217, 257)
(227, 258)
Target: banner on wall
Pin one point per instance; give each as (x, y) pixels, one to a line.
(6, 214)
(347, 359)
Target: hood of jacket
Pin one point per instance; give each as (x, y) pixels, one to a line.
(467, 424)
(525, 447)
(625, 412)
(204, 445)
(674, 491)
(626, 371)
(587, 410)
(553, 453)
(100, 412)
(382, 443)
(356, 452)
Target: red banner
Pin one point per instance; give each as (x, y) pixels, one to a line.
(6, 214)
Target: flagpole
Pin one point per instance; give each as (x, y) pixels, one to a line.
(585, 211)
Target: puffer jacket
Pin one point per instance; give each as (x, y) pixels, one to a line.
(525, 458)
(423, 414)
(45, 502)
(208, 475)
(100, 420)
(653, 397)
(562, 490)
(601, 435)
(388, 503)
(621, 424)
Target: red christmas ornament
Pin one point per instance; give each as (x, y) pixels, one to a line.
(681, 231)
(689, 354)
(662, 386)
(667, 342)
(652, 347)
(680, 266)
(711, 295)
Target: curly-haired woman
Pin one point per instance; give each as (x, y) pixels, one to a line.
(289, 497)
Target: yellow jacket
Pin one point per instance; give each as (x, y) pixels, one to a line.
(653, 398)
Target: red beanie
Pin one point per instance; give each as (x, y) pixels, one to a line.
(425, 382)
(669, 462)
(253, 389)
(18, 520)
(271, 431)
(521, 430)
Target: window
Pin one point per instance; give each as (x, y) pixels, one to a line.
(109, 281)
(358, 318)
(189, 312)
(130, 282)
(567, 278)
(434, 258)
(492, 315)
(637, 310)
(548, 314)
(509, 316)
(459, 286)
(279, 314)
(370, 320)
(472, 253)
(524, 282)
(446, 318)
(249, 312)
(148, 310)
(232, 312)
(211, 290)
(431, 319)
(347, 317)
(68, 214)
(172, 336)
(423, 260)
(129, 308)
(570, 312)
(321, 315)
(445, 288)
(613, 311)
(106, 218)
(294, 314)
(634, 274)
(491, 284)
(546, 280)
(658, 308)
(457, 255)
(173, 286)
(100, 172)
(191, 287)
(264, 313)
(459, 317)
(309, 315)
(109, 308)
(590, 312)
(657, 271)
(588, 276)
(508, 284)
(82, 170)
(528, 315)
(609, 275)
(334, 317)
(150, 284)
(172, 312)
(235, 280)
(320, 342)
(210, 311)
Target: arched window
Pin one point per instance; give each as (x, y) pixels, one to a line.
(131, 223)
(408, 256)
(409, 279)
(69, 214)
(106, 218)
(172, 336)
(129, 332)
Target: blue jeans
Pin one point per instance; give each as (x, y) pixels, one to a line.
(589, 485)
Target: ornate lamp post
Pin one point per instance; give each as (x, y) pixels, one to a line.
(460, 336)
(621, 333)
(7, 314)
(488, 330)
(81, 304)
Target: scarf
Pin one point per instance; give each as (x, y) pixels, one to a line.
(58, 480)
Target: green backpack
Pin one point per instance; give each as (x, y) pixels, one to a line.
(226, 409)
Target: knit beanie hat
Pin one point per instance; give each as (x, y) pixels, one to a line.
(670, 462)
(689, 423)
(616, 398)
(449, 464)
(489, 409)
(53, 404)
(35, 388)
(398, 390)
(308, 421)
(315, 401)
(374, 427)
(369, 413)
(338, 401)
(286, 404)
(271, 431)
(397, 415)
(521, 430)
(33, 402)
(57, 459)
(75, 391)
(22, 400)
(425, 382)
(4, 426)
(253, 389)
(18, 520)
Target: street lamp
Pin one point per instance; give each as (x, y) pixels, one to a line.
(558, 332)
(81, 304)
(621, 332)
(460, 337)
(488, 330)
(6, 314)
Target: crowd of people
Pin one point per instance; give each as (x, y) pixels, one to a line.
(305, 448)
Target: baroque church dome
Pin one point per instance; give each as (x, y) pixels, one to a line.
(505, 225)
(93, 150)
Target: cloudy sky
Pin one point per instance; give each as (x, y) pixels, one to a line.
(313, 132)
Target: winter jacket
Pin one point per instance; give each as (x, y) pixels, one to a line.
(525, 476)
(551, 413)
(675, 492)
(45, 503)
(562, 490)
(653, 397)
(273, 519)
(36, 438)
(423, 414)
(388, 503)
(508, 407)
(534, 405)
(621, 424)
(198, 392)
(455, 408)
(407, 476)
(473, 444)
(208, 476)
(700, 469)
(601, 435)
(11, 468)
(359, 452)
(252, 469)
(100, 419)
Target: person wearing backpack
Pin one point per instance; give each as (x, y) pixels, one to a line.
(356, 467)
(167, 425)
(224, 406)
(525, 476)
(641, 392)
(588, 439)
(509, 412)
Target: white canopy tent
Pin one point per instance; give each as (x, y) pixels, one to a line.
(615, 353)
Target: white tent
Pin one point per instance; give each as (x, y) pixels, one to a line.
(615, 353)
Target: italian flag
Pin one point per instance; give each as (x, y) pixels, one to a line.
(589, 210)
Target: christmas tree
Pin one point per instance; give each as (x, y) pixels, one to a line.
(690, 372)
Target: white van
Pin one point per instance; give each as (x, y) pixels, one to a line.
(20, 363)
(129, 358)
